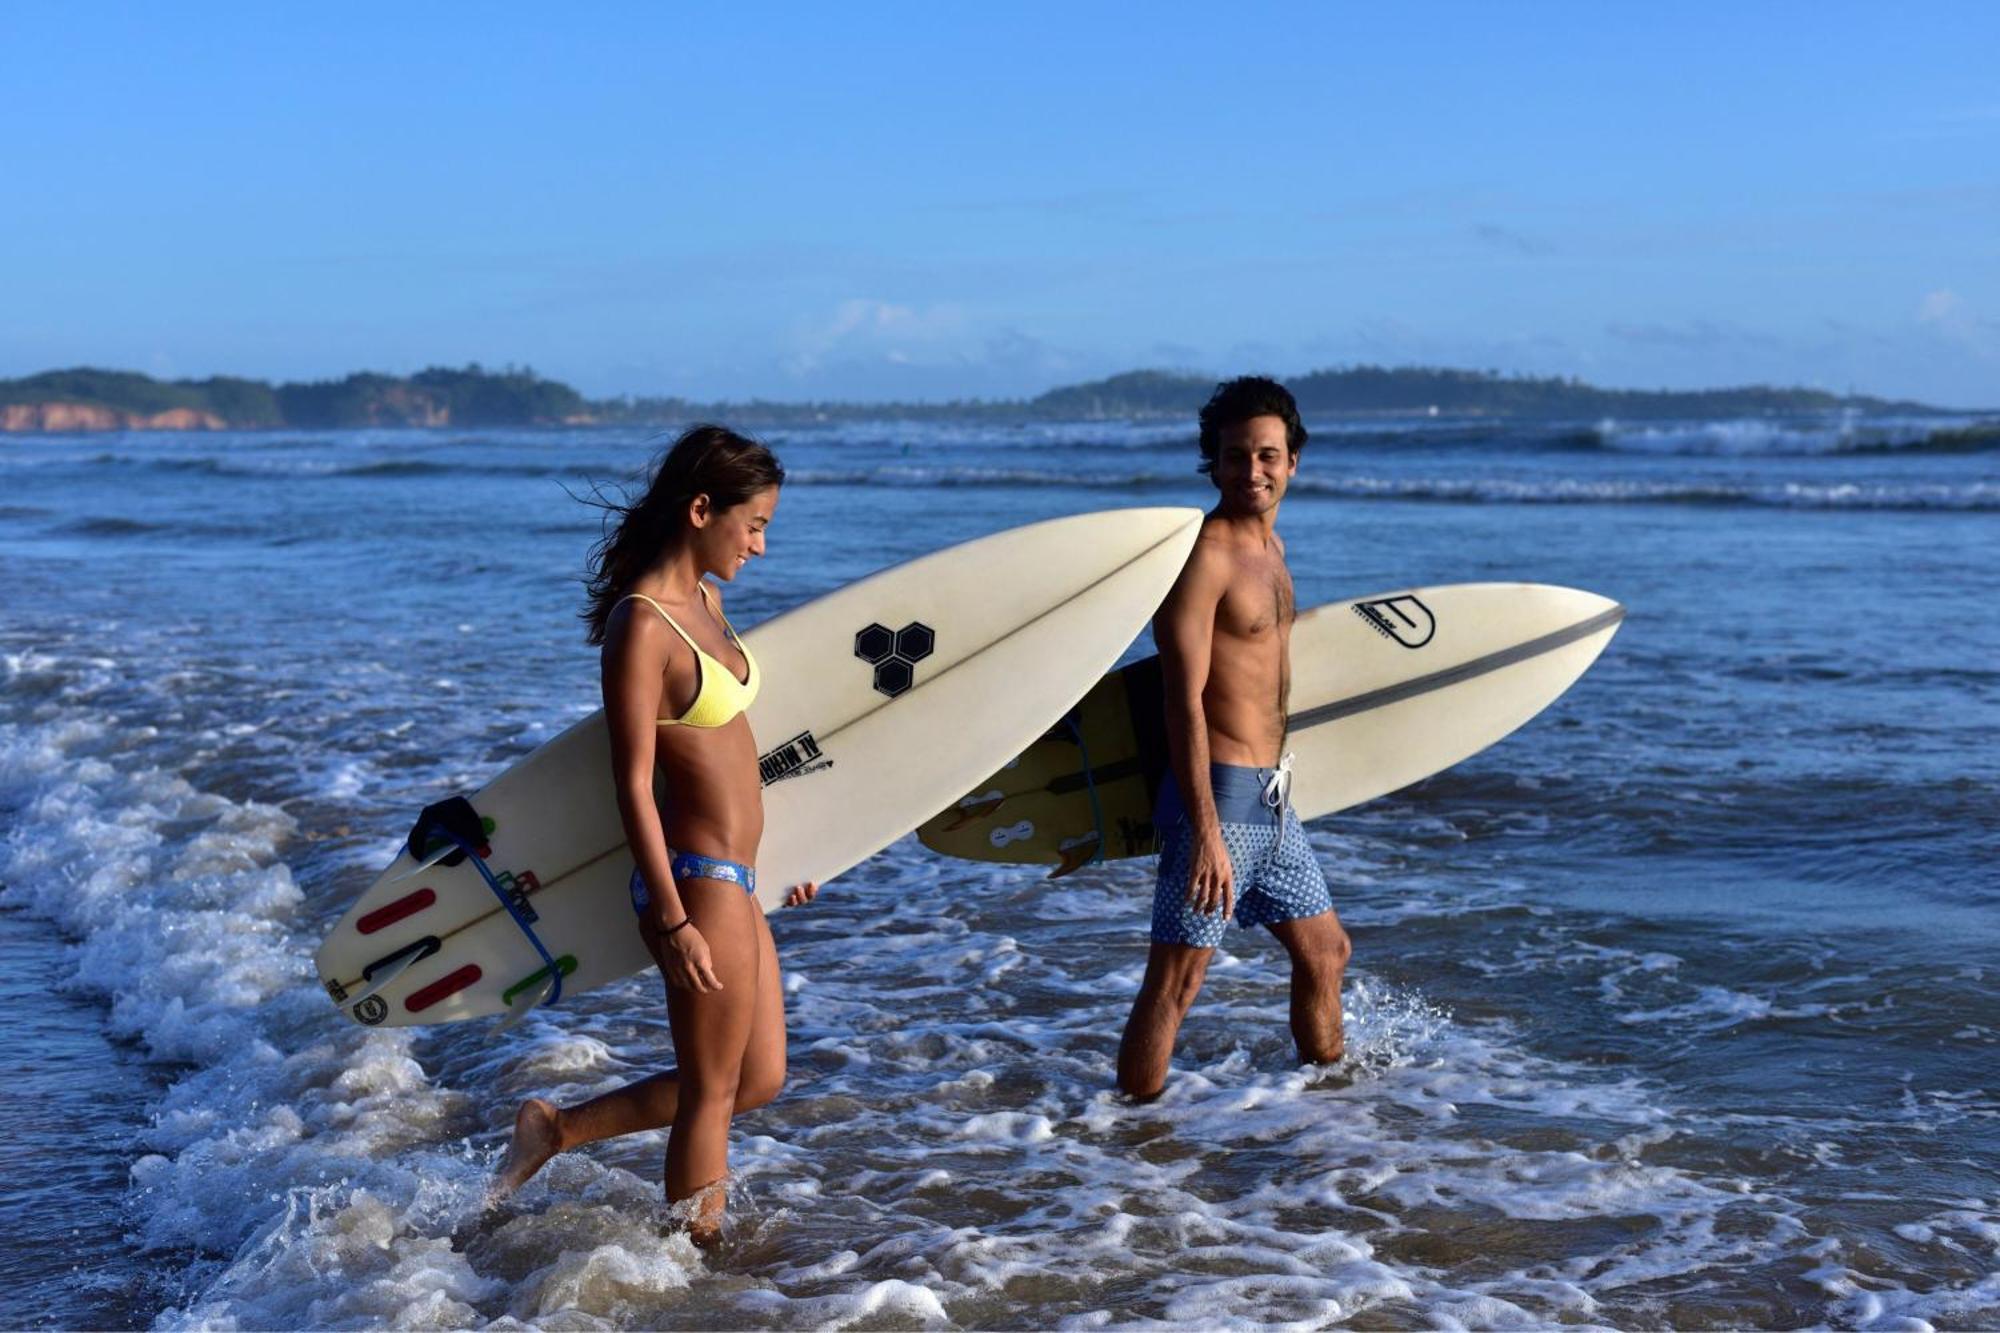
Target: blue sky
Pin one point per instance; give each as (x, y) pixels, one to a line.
(930, 201)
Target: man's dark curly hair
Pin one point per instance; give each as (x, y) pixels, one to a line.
(1237, 401)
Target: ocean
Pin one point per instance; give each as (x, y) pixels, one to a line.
(1681, 1006)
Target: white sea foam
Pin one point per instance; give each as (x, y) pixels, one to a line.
(1971, 496)
(1780, 436)
(1716, 1007)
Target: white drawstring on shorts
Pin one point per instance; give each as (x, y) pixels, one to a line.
(1278, 787)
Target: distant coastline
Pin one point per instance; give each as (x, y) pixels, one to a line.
(106, 400)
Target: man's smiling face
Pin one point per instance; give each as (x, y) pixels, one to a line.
(1254, 464)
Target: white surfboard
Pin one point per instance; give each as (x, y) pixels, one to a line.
(1386, 690)
(1449, 671)
(877, 700)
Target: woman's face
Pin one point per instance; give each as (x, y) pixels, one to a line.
(725, 539)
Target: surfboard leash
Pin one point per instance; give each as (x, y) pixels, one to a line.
(448, 820)
(1089, 785)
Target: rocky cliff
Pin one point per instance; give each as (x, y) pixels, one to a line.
(86, 417)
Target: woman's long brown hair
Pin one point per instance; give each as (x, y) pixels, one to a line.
(706, 460)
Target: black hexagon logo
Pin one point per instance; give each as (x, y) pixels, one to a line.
(874, 643)
(894, 676)
(895, 655)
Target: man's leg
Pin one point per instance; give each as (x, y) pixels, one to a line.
(1298, 907)
(1183, 940)
(1319, 950)
(1173, 978)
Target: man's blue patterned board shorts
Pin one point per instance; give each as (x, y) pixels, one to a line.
(1277, 876)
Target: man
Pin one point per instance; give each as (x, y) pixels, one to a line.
(1229, 837)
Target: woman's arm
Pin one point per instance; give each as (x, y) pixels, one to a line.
(637, 650)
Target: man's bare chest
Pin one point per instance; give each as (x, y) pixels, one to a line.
(1258, 604)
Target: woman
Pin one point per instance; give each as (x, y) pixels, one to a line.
(676, 683)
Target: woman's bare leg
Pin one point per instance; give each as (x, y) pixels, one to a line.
(541, 1129)
(711, 1037)
(764, 1058)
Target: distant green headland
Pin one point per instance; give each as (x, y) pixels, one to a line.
(85, 399)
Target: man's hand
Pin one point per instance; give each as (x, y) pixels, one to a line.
(801, 894)
(1211, 879)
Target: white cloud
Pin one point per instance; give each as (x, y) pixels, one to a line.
(869, 329)
(1512, 241)
(1951, 319)
(1950, 315)
(866, 347)
(859, 316)
(1942, 307)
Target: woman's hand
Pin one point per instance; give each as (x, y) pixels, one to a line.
(683, 956)
(801, 894)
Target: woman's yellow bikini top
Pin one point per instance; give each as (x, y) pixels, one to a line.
(718, 695)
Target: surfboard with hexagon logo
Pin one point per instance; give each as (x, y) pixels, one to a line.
(1386, 690)
(879, 700)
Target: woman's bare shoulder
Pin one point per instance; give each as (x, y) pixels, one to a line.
(635, 632)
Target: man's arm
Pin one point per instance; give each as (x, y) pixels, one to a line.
(1184, 629)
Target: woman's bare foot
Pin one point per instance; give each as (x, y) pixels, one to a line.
(701, 1215)
(537, 1137)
